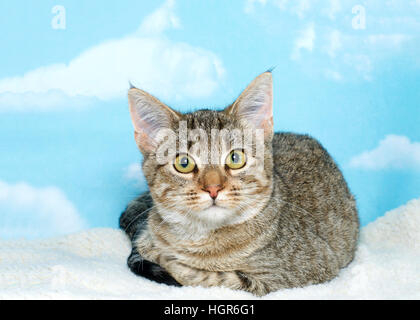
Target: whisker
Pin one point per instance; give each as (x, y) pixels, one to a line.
(137, 216)
(296, 206)
(141, 214)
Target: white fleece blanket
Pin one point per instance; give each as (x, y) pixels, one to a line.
(92, 265)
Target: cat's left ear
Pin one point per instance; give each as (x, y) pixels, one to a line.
(149, 117)
(255, 104)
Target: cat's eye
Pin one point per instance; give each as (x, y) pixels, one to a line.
(184, 163)
(236, 159)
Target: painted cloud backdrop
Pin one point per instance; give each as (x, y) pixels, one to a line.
(347, 72)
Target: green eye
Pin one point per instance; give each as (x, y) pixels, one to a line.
(236, 159)
(184, 163)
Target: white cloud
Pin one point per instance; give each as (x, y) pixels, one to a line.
(250, 5)
(333, 75)
(301, 8)
(170, 69)
(162, 19)
(134, 173)
(333, 9)
(361, 63)
(281, 4)
(357, 57)
(305, 41)
(148, 59)
(30, 101)
(31, 212)
(394, 152)
(391, 27)
(334, 43)
(387, 40)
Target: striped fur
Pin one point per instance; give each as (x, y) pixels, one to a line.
(287, 219)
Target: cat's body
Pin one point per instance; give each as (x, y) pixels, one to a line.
(297, 225)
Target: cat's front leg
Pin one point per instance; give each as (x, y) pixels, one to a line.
(143, 258)
(149, 270)
(236, 280)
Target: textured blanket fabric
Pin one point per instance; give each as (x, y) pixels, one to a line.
(92, 265)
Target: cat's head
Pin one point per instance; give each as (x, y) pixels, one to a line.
(209, 177)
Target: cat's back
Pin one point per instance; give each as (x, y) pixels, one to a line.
(301, 162)
(308, 179)
(292, 148)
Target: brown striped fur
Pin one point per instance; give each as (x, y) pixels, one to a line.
(291, 224)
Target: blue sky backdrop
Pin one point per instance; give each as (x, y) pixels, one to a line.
(347, 73)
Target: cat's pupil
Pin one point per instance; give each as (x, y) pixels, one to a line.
(184, 162)
(235, 157)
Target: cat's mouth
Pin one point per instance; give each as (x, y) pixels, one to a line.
(215, 213)
(216, 203)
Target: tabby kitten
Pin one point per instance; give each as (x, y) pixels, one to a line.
(253, 221)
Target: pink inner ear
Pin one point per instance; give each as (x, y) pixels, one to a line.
(266, 123)
(265, 113)
(148, 116)
(255, 104)
(261, 116)
(144, 142)
(141, 130)
(139, 124)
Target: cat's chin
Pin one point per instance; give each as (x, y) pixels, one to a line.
(199, 224)
(216, 215)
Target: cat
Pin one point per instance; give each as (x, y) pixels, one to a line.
(253, 221)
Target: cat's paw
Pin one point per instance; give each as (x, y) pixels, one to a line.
(151, 271)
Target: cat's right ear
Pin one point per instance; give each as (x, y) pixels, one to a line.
(255, 104)
(149, 116)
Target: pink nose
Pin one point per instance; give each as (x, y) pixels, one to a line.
(213, 190)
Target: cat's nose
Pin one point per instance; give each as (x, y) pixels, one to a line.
(213, 190)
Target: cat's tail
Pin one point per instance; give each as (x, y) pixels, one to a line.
(134, 218)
